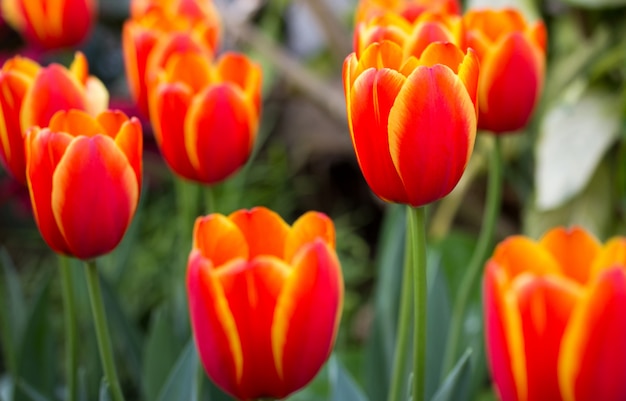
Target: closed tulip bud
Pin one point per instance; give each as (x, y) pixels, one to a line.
(554, 317)
(265, 300)
(147, 41)
(205, 116)
(84, 179)
(512, 56)
(412, 120)
(408, 9)
(51, 24)
(30, 95)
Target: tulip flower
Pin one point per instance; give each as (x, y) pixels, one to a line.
(30, 95)
(554, 317)
(409, 9)
(84, 179)
(512, 66)
(413, 36)
(195, 9)
(265, 300)
(205, 116)
(51, 24)
(147, 40)
(412, 120)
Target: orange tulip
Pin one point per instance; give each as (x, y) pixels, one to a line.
(205, 117)
(512, 66)
(412, 119)
(84, 179)
(145, 34)
(409, 9)
(414, 36)
(200, 9)
(554, 317)
(30, 95)
(265, 300)
(51, 24)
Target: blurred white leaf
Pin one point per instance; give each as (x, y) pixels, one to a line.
(574, 136)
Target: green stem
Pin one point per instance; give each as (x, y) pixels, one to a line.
(209, 200)
(402, 335)
(417, 234)
(490, 217)
(71, 345)
(102, 331)
(197, 389)
(187, 206)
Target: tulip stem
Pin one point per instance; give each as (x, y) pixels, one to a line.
(490, 217)
(71, 345)
(102, 331)
(401, 351)
(417, 234)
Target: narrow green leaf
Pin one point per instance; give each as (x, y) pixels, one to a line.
(438, 316)
(105, 394)
(30, 392)
(12, 311)
(343, 386)
(180, 381)
(457, 383)
(37, 352)
(159, 355)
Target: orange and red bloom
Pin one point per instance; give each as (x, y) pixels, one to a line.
(265, 300)
(206, 115)
(147, 38)
(554, 317)
(412, 118)
(408, 9)
(84, 178)
(31, 94)
(512, 66)
(51, 24)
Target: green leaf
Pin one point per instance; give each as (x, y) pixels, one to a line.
(37, 353)
(12, 311)
(160, 353)
(438, 316)
(343, 386)
(455, 386)
(379, 352)
(180, 381)
(105, 394)
(596, 4)
(30, 392)
(574, 137)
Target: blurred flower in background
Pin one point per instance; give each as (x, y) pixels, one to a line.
(412, 118)
(512, 56)
(51, 24)
(152, 24)
(84, 177)
(31, 94)
(206, 115)
(554, 317)
(409, 9)
(265, 300)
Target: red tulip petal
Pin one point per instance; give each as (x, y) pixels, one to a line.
(306, 229)
(252, 291)
(44, 150)
(503, 337)
(574, 250)
(130, 141)
(593, 349)
(425, 34)
(238, 69)
(76, 123)
(191, 68)
(13, 86)
(53, 89)
(168, 105)
(137, 43)
(265, 231)
(219, 132)
(510, 82)
(545, 305)
(432, 127)
(518, 254)
(214, 328)
(307, 315)
(384, 55)
(371, 99)
(219, 240)
(94, 195)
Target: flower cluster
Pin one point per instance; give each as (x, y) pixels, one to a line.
(204, 109)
